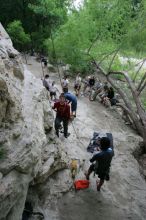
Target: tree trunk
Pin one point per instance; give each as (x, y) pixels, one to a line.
(138, 114)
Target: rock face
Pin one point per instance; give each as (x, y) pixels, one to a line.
(28, 152)
(10, 86)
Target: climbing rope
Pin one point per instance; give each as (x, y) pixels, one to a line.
(58, 71)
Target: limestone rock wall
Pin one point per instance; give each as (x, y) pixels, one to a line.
(28, 152)
(11, 80)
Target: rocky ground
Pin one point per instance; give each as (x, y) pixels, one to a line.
(124, 196)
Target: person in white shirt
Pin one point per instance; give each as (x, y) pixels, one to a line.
(64, 82)
(53, 90)
(77, 85)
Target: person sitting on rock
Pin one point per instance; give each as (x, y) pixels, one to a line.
(91, 82)
(71, 99)
(109, 96)
(97, 89)
(103, 161)
(104, 92)
(47, 82)
(86, 84)
(62, 115)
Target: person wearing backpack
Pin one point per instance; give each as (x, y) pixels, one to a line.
(102, 164)
(62, 115)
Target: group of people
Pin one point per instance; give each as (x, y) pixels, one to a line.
(95, 87)
(66, 107)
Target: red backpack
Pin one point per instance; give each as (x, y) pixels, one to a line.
(81, 184)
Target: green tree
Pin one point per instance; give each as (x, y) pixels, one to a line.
(50, 15)
(99, 22)
(20, 39)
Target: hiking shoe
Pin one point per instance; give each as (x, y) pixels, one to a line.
(107, 178)
(86, 175)
(66, 136)
(97, 186)
(98, 189)
(57, 133)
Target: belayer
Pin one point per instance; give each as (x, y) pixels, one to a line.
(101, 162)
(71, 99)
(62, 115)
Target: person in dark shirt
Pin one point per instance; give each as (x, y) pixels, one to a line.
(71, 99)
(47, 82)
(111, 93)
(62, 115)
(103, 162)
(91, 81)
(109, 96)
(44, 61)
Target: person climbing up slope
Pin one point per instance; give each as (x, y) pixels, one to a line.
(103, 161)
(71, 99)
(47, 82)
(77, 85)
(62, 115)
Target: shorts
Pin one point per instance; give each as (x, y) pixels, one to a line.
(102, 176)
(74, 106)
(76, 86)
(52, 93)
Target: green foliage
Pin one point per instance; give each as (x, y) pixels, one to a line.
(102, 24)
(17, 34)
(50, 15)
(38, 17)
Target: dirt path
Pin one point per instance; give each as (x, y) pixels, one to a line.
(124, 196)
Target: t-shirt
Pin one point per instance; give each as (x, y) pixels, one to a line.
(78, 80)
(91, 81)
(63, 110)
(53, 89)
(70, 97)
(47, 83)
(110, 94)
(104, 160)
(64, 83)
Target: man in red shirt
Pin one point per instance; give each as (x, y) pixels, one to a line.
(63, 115)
